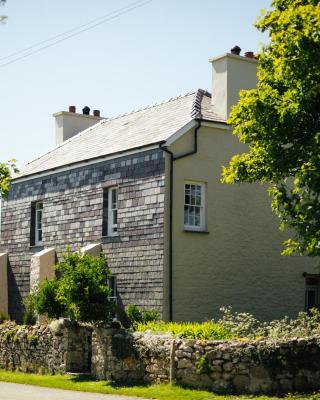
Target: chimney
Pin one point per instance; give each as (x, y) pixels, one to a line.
(230, 74)
(69, 123)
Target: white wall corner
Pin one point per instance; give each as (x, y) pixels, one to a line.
(42, 267)
(4, 304)
(93, 249)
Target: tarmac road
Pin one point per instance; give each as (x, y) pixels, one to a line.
(13, 391)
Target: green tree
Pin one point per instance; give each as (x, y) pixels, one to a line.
(280, 121)
(80, 291)
(6, 171)
(2, 17)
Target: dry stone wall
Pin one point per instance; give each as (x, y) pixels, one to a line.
(254, 366)
(54, 348)
(261, 366)
(119, 355)
(222, 366)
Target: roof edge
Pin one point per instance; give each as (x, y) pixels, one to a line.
(90, 161)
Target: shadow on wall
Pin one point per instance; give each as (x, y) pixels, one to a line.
(14, 296)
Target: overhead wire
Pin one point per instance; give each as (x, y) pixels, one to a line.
(69, 31)
(103, 19)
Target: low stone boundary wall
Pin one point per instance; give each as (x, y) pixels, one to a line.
(260, 366)
(119, 355)
(264, 366)
(249, 367)
(54, 348)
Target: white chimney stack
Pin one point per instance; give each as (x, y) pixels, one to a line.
(69, 123)
(230, 74)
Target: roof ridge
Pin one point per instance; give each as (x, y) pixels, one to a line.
(152, 105)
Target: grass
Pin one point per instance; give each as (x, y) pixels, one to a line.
(161, 392)
(191, 330)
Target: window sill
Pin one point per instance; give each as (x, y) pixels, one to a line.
(195, 231)
(110, 238)
(36, 247)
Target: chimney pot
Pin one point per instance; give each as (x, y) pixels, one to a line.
(96, 113)
(249, 54)
(72, 109)
(86, 110)
(236, 50)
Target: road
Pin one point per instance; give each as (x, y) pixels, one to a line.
(13, 391)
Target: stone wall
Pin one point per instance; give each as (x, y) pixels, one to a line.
(119, 355)
(261, 366)
(55, 348)
(73, 216)
(220, 366)
(253, 367)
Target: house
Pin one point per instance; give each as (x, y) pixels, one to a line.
(145, 188)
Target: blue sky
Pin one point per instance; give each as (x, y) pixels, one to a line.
(148, 55)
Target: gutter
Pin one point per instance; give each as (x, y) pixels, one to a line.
(172, 159)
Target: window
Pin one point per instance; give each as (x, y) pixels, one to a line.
(312, 291)
(194, 210)
(36, 223)
(110, 212)
(113, 289)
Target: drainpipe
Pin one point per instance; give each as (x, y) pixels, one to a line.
(172, 159)
(170, 230)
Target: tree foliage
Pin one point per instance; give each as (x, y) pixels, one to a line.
(2, 17)
(280, 121)
(6, 171)
(80, 291)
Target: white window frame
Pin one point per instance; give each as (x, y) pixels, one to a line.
(38, 223)
(114, 297)
(112, 227)
(202, 207)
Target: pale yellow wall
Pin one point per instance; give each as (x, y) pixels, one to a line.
(4, 283)
(230, 74)
(238, 262)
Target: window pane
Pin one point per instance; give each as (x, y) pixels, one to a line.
(187, 199)
(40, 235)
(114, 198)
(115, 217)
(197, 216)
(311, 298)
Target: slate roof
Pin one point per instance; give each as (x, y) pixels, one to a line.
(147, 126)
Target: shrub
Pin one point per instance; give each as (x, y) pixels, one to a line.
(30, 311)
(190, 330)
(80, 292)
(3, 317)
(137, 316)
(47, 301)
(239, 324)
(245, 325)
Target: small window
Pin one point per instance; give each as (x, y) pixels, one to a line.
(312, 292)
(194, 210)
(113, 289)
(36, 223)
(110, 212)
